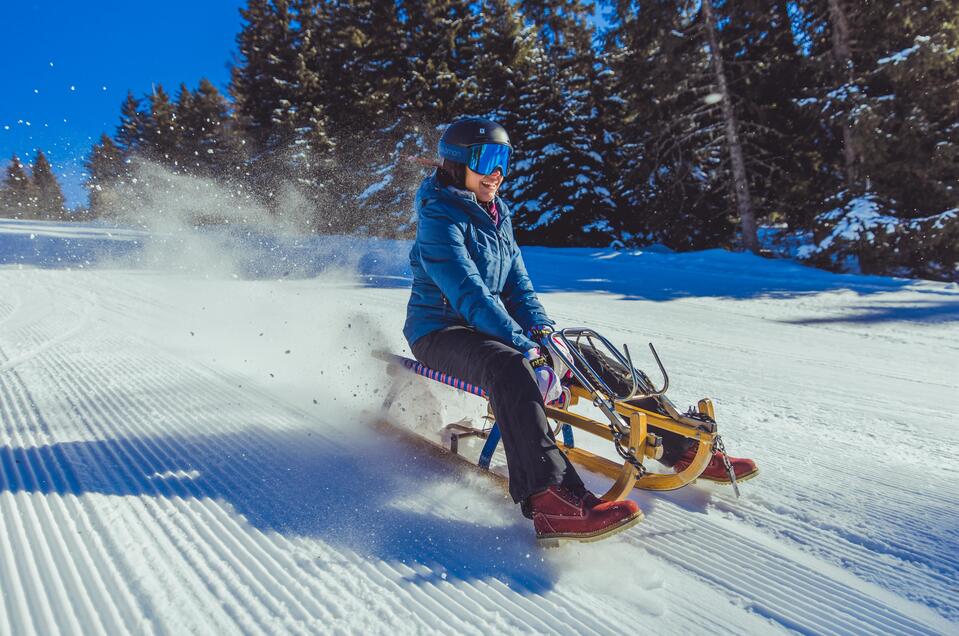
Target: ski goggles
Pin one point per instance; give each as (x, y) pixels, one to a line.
(486, 158)
(482, 159)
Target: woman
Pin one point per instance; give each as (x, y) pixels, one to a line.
(474, 315)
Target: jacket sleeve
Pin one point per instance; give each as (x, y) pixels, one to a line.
(521, 301)
(445, 258)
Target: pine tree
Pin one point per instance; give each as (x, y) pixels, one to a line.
(781, 139)
(129, 136)
(107, 171)
(263, 83)
(208, 143)
(160, 139)
(731, 129)
(433, 89)
(361, 70)
(509, 53)
(188, 125)
(18, 198)
(362, 54)
(49, 196)
(305, 120)
(889, 85)
(672, 177)
(564, 185)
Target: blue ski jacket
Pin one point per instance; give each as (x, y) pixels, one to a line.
(468, 271)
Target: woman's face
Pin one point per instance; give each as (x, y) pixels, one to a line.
(484, 186)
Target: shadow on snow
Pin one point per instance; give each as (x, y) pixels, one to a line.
(299, 485)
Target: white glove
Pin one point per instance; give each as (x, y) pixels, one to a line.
(544, 333)
(546, 378)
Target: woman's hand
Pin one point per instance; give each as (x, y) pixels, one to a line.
(546, 378)
(544, 333)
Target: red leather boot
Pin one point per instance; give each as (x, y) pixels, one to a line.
(559, 514)
(715, 469)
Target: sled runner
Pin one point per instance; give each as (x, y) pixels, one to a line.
(602, 379)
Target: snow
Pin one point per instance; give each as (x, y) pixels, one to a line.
(373, 189)
(187, 449)
(904, 54)
(860, 217)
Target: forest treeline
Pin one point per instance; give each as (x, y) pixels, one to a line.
(830, 125)
(33, 194)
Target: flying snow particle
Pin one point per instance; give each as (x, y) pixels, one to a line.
(103, 88)
(73, 88)
(713, 98)
(7, 127)
(36, 91)
(51, 64)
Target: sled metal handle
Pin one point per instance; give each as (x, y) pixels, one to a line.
(627, 361)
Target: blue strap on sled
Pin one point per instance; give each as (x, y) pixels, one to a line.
(567, 431)
(486, 456)
(489, 447)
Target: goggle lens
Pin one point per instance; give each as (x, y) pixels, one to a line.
(486, 158)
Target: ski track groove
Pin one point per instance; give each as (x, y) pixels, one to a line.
(48, 519)
(214, 542)
(60, 531)
(875, 572)
(217, 390)
(226, 397)
(925, 559)
(90, 305)
(82, 518)
(841, 606)
(236, 452)
(9, 309)
(190, 402)
(218, 558)
(167, 536)
(493, 606)
(452, 619)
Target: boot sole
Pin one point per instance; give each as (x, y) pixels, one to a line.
(727, 482)
(555, 540)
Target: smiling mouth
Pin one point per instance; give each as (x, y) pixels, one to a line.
(488, 184)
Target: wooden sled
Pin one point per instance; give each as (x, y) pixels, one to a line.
(629, 413)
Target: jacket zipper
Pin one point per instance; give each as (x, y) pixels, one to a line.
(499, 241)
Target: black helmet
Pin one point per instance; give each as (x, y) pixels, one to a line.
(463, 133)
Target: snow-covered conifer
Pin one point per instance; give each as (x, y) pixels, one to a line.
(106, 171)
(49, 196)
(17, 197)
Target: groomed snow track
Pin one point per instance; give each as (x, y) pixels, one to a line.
(143, 491)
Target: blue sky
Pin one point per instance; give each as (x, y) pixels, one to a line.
(68, 65)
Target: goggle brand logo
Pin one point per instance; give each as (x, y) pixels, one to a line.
(482, 131)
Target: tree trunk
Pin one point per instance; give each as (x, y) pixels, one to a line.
(744, 202)
(842, 53)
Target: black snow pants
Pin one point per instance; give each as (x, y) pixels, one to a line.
(532, 457)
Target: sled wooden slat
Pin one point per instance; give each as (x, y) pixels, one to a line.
(654, 419)
(579, 421)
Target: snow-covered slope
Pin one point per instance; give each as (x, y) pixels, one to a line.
(182, 452)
